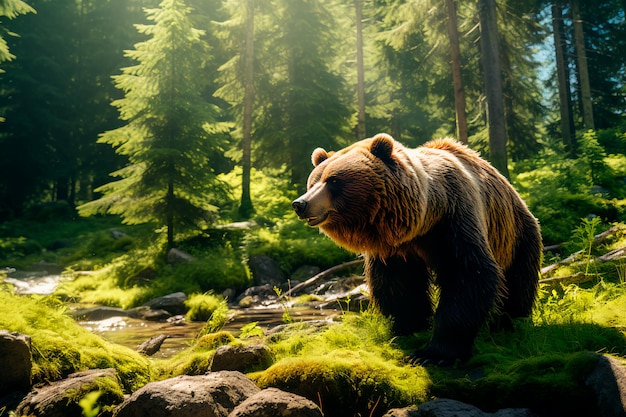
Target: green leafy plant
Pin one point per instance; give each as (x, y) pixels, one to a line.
(251, 330)
(89, 404)
(217, 320)
(284, 303)
(585, 234)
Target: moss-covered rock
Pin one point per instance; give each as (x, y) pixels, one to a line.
(61, 347)
(66, 398)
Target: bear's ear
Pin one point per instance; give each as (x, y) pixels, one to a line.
(382, 146)
(318, 156)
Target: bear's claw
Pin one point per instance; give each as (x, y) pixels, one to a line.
(423, 358)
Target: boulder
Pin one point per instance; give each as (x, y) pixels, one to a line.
(608, 383)
(117, 234)
(257, 295)
(60, 398)
(272, 402)
(266, 270)
(99, 313)
(242, 358)
(15, 362)
(305, 272)
(451, 408)
(172, 303)
(177, 256)
(212, 395)
(146, 313)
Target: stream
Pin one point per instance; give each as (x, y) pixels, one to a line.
(131, 332)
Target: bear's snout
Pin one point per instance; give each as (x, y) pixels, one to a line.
(314, 206)
(299, 205)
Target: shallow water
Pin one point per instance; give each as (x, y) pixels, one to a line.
(131, 332)
(42, 279)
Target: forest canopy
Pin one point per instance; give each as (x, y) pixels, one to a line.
(148, 108)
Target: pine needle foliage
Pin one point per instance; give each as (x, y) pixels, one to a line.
(10, 9)
(172, 132)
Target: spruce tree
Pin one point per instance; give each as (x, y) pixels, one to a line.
(171, 132)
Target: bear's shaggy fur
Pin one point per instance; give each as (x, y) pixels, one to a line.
(435, 213)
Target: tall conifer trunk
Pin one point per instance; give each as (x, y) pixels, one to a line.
(360, 130)
(583, 71)
(492, 71)
(562, 69)
(455, 54)
(246, 208)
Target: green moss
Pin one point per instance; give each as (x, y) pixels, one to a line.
(346, 384)
(350, 367)
(540, 382)
(202, 306)
(214, 340)
(60, 346)
(197, 359)
(102, 394)
(188, 362)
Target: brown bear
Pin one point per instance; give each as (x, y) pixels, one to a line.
(435, 214)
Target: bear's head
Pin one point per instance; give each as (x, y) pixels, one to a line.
(358, 195)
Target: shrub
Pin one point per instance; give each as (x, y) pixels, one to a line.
(202, 306)
(560, 191)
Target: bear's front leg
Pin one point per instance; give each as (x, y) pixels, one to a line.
(469, 281)
(400, 288)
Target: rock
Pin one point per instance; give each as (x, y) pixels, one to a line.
(305, 272)
(15, 362)
(212, 395)
(177, 256)
(272, 402)
(172, 303)
(608, 382)
(60, 398)
(266, 270)
(452, 408)
(242, 358)
(117, 234)
(152, 346)
(245, 225)
(177, 320)
(256, 295)
(229, 294)
(146, 313)
(99, 313)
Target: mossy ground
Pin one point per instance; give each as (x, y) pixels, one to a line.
(60, 346)
(355, 366)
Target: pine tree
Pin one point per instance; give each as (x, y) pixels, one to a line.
(171, 134)
(238, 87)
(492, 72)
(304, 103)
(11, 9)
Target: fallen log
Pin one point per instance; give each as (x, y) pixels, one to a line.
(599, 238)
(577, 278)
(567, 260)
(320, 276)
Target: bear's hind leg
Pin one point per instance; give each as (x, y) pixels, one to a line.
(522, 276)
(400, 288)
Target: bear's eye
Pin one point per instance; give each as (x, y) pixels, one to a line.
(334, 183)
